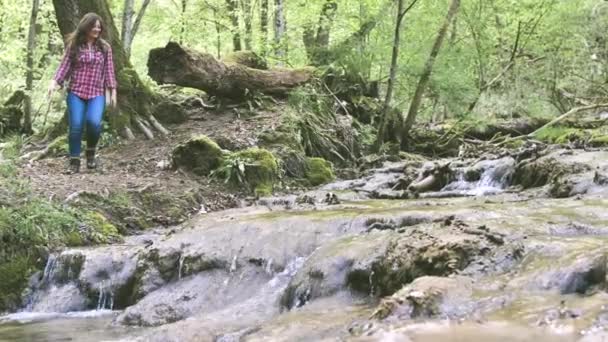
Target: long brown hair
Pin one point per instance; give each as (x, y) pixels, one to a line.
(78, 38)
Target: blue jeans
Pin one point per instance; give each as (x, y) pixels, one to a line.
(89, 111)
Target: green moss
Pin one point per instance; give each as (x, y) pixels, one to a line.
(200, 155)
(102, 231)
(319, 171)
(599, 140)
(262, 172)
(13, 280)
(557, 134)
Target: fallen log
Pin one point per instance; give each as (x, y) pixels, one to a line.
(188, 68)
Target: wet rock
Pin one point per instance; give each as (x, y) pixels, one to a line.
(382, 261)
(581, 276)
(198, 294)
(566, 172)
(559, 315)
(428, 297)
(335, 266)
(577, 229)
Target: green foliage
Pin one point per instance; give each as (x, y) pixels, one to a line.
(256, 169)
(314, 120)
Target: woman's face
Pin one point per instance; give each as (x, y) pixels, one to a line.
(95, 31)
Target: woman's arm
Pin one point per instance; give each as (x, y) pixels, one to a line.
(110, 77)
(62, 72)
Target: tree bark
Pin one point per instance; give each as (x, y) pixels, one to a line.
(426, 73)
(317, 43)
(29, 76)
(264, 26)
(127, 24)
(401, 12)
(234, 19)
(134, 98)
(130, 30)
(280, 26)
(188, 68)
(247, 17)
(182, 32)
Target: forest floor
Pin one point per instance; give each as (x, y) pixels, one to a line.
(140, 165)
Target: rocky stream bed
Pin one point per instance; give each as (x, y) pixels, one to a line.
(505, 249)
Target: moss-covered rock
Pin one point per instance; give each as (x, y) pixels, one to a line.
(261, 171)
(170, 112)
(319, 171)
(200, 155)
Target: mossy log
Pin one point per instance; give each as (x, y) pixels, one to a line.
(178, 65)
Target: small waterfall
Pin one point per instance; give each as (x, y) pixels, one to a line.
(487, 177)
(49, 269)
(181, 266)
(233, 265)
(268, 267)
(106, 296)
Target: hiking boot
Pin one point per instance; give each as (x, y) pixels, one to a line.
(74, 166)
(91, 160)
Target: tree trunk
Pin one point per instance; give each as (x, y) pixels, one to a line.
(317, 44)
(247, 17)
(129, 31)
(29, 76)
(134, 98)
(188, 68)
(426, 73)
(127, 24)
(264, 27)
(234, 19)
(182, 32)
(393, 71)
(280, 26)
(218, 33)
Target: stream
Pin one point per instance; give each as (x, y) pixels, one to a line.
(477, 260)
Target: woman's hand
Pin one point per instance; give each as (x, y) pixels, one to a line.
(53, 86)
(113, 99)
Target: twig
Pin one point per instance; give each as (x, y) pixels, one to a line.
(337, 99)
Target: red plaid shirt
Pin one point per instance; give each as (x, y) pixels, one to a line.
(90, 75)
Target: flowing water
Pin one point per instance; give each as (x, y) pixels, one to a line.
(277, 273)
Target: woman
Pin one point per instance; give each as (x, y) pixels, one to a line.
(88, 65)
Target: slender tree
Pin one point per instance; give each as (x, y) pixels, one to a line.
(280, 27)
(182, 32)
(316, 41)
(130, 28)
(127, 23)
(401, 12)
(426, 72)
(234, 19)
(247, 19)
(264, 26)
(29, 76)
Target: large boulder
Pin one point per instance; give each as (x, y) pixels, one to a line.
(199, 155)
